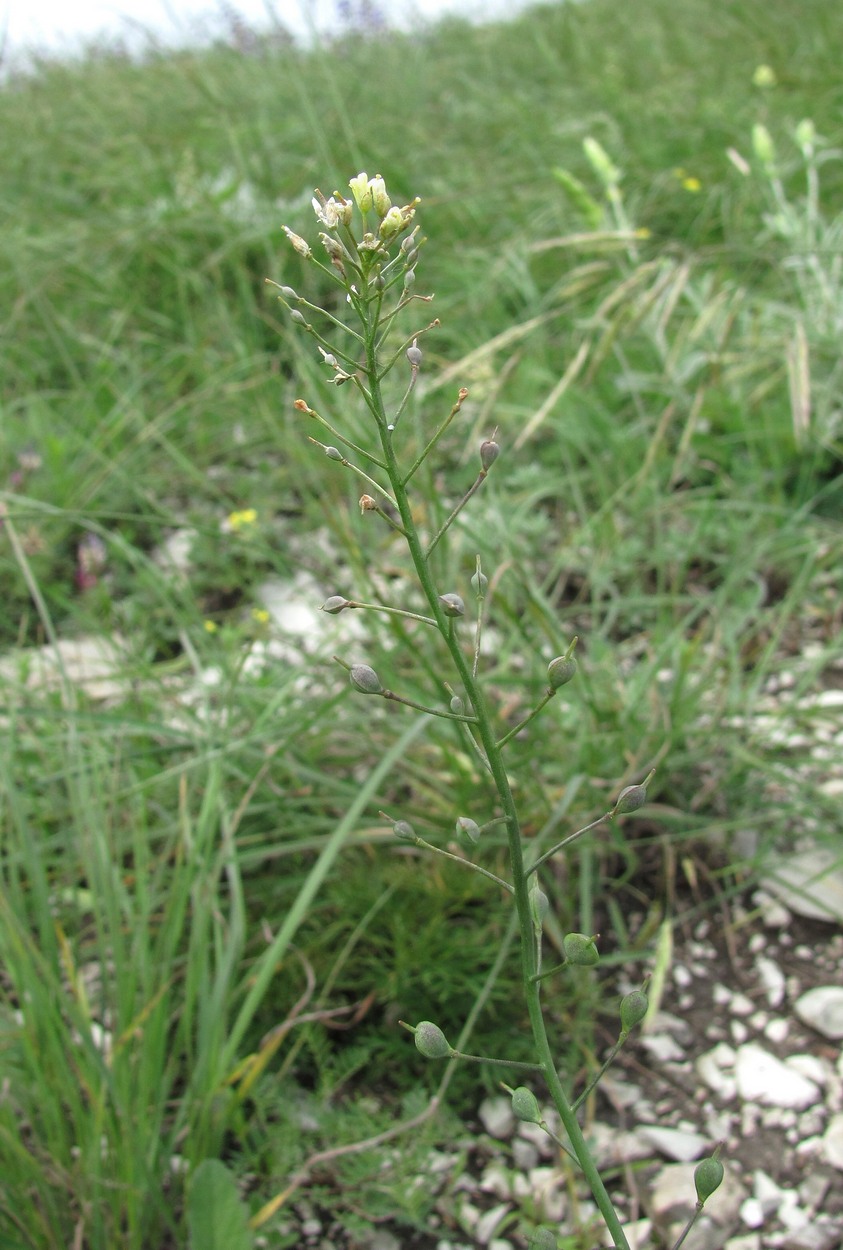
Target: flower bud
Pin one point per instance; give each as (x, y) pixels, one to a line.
(452, 605)
(431, 1041)
(362, 191)
(806, 135)
(468, 833)
(525, 1105)
(335, 604)
(489, 452)
(380, 200)
(364, 679)
(708, 1176)
(392, 224)
(634, 1007)
(561, 670)
(414, 354)
(631, 798)
(404, 831)
(333, 453)
(762, 145)
(601, 163)
(580, 950)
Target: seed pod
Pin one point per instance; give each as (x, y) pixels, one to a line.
(333, 453)
(525, 1105)
(634, 1007)
(708, 1176)
(631, 798)
(404, 831)
(580, 950)
(409, 279)
(457, 706)
(479, 582)
(289, 293)
(298, 317)
(334, 605)
(431, 1041)
(452, 605)
(468, 833)
(538, 903)
(489, 452)
(364, 679)
(561, 670)
(414, 354)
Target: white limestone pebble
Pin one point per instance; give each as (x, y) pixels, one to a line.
(822, 1009)
(762, 1078)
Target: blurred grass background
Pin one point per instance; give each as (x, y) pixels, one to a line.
(663, 370)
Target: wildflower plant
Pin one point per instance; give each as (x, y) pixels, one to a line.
(372, 249)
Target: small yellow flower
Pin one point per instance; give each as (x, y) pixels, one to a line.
(692, 184)
(260, 615)
(764, 76)
(242, 519)
(210, 627)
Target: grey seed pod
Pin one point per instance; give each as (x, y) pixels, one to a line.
(414, 355)
(468, 833)
(409, 279)
(431, 1041)
(333, 453)
(525, 1105)
(631, 798)
(335, 604)
(634, 1007)
(379, 283)
(489, 452)
(539, 904)
(708, 1176)
(452, 605)
(580, 950)
(298, 317)
(403, 830)
(561, 670)
(479, 582)
(364, 679)
(289, 293)
(412, 256)
(457, 705)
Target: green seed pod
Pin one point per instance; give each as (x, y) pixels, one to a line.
(538, 902)
(489, 452)
(542, 1239)
(333, 453)
(561, 670)
(364, 679)
(468, 833)
(631, 798)
(404, 831)
(298, 317)
(452, 605)
(288, 293)
(708, 1176)
(580, 950)
(634, 1007)
(457, 706)
(335, 604)
(525, 1105)
(409, 279)
(479, 582)
(431, 1041)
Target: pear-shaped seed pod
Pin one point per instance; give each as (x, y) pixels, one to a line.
(452, 605)
(403, 830)
(631, 798)
(333, 453)
(489, 452)
(538, 902)
(431, 1041)
(525, 1105)
(708, 1176)
(634, 1007)
(335, 604)
(479, 582)
(457, 705)
(365, 679)
(580, 950)
(561, 670)
(414, 355)
(288, 293)
(298, 317)
(468, 833)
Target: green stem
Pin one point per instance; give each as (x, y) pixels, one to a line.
(466, 863)
(486, 734)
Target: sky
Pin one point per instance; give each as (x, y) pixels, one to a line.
(60, 25)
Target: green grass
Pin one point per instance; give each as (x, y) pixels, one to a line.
(175, 871)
